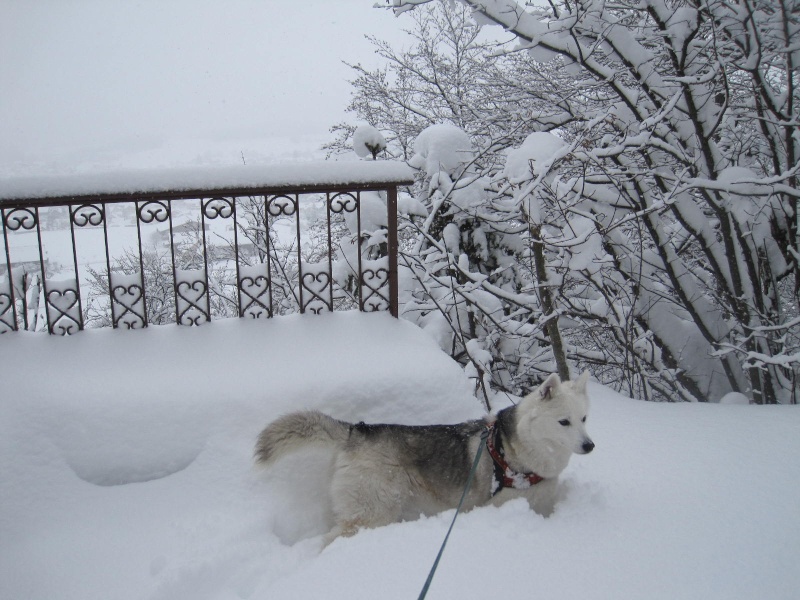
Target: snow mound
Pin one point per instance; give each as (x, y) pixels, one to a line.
(368, 141)
(734, 398)
(117, 449)
(441, 147)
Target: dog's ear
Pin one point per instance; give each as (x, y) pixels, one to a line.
(549, 387)
(582, 380)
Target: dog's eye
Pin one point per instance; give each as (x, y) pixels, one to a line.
(564, 422)
(583, 420)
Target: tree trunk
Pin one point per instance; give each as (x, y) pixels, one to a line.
(548, 306)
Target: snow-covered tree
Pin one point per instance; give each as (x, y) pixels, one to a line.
(439, 106)
(679, 180)
(156, 264)
(470, 277)
(451, 73)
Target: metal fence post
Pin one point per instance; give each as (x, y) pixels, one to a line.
(391, 207)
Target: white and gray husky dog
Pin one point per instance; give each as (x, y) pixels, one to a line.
(388, 473)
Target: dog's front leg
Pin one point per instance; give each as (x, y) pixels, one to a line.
(542, 497)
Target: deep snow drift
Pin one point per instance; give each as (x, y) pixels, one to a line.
(126, 473)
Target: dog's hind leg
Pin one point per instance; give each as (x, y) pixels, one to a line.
(340, 530)
(363, 496)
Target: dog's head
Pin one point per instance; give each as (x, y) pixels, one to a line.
(557, 413)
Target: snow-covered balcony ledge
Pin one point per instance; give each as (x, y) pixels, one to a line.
(237, 180)
(133, 248)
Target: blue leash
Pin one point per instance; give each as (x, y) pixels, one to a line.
(428, 581)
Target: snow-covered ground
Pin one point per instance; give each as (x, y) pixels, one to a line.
(126, 473)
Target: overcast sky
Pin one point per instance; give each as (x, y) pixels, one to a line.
(87, 83)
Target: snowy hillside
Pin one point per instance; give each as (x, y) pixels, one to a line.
(126, 473)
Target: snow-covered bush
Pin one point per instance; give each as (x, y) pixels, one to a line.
(471, 280)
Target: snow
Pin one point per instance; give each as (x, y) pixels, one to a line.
(441, 147)
(751, 211)
(451, 236)
(367, 141)
(411, 207)
(734, 398)
(273, 176)
(125, 461)
(532, 157)
(586, 252)
(372, 212)
(682, 24)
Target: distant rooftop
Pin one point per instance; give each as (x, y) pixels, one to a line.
(198, 182)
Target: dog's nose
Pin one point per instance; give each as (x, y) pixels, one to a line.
(588, 446)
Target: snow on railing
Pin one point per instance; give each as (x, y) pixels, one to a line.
(132, 249)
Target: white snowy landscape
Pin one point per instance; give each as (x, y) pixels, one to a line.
(632, 169)
(94, 85)
(125, 461)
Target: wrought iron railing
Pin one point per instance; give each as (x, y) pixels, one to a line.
(135, 249)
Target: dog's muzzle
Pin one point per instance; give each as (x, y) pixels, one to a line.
(588, 446)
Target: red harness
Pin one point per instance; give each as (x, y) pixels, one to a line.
(505, 476)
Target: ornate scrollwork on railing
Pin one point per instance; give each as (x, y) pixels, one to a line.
(63, 309)
(218, 207)
(375, 286)
(254, 295)
(120, 261)
(343, 202)
(317, 283)
(87, 214)
(152, 210)
(192, 298)
(7, 321)
(281, 206)
(128, 299)
(20, 218)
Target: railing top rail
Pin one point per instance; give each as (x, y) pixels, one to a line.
(241, 180)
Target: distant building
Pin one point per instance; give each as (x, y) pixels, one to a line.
(161, 235)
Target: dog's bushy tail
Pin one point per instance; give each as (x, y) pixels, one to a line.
(297, 430)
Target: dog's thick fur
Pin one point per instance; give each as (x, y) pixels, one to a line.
(387, 473)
